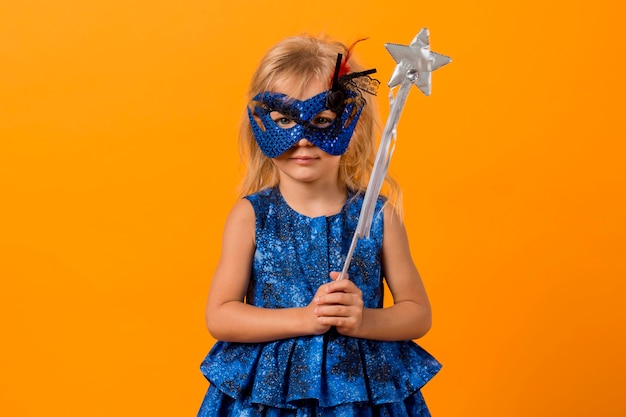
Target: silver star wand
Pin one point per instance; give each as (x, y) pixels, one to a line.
(415, 64)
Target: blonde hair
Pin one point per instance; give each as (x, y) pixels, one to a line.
(304, 59)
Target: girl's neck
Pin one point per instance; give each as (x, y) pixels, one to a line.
(314, 199)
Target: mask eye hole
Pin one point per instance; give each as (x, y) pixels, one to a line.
(282, 121)
(353, 111)
(323, 119)
(258, 110)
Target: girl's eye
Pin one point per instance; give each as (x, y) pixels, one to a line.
(323, 119)
(282, 120)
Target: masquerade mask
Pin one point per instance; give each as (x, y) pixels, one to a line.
(331, 136)
(344, 99)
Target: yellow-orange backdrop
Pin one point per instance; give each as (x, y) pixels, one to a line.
(118, 163)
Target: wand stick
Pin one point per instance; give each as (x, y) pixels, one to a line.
(415, 64)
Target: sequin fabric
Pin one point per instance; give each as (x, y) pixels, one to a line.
(328, 375)
(274, 140)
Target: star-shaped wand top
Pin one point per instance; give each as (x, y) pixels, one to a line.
(416, 62)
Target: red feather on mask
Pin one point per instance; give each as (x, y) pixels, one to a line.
(344, 67)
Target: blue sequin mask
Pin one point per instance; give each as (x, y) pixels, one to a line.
(333, 138)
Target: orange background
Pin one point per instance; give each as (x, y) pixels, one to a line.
(119, 161)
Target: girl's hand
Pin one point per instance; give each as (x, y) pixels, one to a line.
(311, 320)
(339, 304)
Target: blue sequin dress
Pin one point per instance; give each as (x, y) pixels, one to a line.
(326, 375)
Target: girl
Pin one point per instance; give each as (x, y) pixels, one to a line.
(293, 340)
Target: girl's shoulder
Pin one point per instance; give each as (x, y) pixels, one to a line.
(240, 221)
(260, 202)
(241, 210)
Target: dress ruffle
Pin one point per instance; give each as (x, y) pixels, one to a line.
(327, 370)
(225, 406)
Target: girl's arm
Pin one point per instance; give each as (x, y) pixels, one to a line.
(409, 318)
(228, 318)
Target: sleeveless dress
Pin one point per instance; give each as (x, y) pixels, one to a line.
(314, 376)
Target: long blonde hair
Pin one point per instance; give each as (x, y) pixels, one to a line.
(306, 58)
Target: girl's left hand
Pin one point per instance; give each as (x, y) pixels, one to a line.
(340, 305)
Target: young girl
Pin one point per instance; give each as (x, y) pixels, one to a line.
(294, 340)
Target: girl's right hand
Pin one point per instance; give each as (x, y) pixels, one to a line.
(311, 317)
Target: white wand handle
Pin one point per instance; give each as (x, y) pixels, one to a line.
(415, 64)
(379, 171)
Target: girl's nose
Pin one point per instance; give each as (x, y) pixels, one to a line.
(304, 142)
